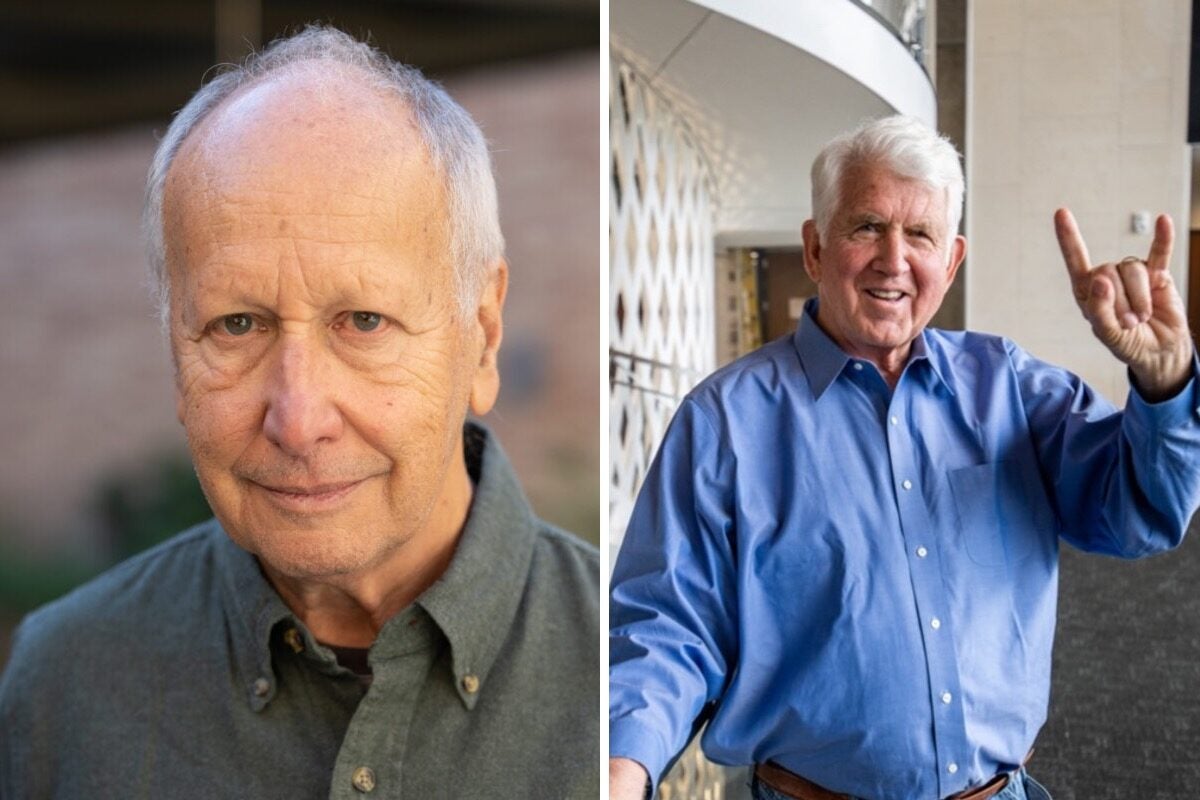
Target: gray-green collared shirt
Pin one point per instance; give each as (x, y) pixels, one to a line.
(181, 674)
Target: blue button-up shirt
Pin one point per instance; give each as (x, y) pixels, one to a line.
(860, 583)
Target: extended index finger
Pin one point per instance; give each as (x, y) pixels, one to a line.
(1160, 248)
(1074, 251)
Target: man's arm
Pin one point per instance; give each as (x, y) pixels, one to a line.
(1126, 483)
(673, 638)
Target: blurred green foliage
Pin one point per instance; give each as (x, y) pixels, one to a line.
(141, 508)
(578, 506)
(136, 508)
(28, 581)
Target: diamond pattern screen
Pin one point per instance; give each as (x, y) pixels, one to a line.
(661, 286)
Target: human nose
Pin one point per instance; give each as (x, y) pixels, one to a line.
(892, 257)
(301, 412)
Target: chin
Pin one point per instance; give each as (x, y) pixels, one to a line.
(889, 338)
(308, 553)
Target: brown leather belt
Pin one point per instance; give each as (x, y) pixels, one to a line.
(792, 785)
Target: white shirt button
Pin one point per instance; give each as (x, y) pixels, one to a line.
(922, 552)
(907, 484)
(946, 698)
(858, 366)
(952, 768)
(261, 687)
(895, 420)
(935, 623)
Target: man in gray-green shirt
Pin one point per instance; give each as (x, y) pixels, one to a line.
(375, 610)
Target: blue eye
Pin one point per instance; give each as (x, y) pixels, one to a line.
(366, 321)
(238, 324)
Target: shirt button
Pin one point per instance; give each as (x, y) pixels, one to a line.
(294, 640)
(935, 623)
(363, 779)
(895, 420)
(946, 697)
(907, 484)
(858, 366)
(922, 552)
(470, 684)
(952, 768)
(262, 686)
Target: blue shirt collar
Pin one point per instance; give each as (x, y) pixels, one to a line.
(823, 359)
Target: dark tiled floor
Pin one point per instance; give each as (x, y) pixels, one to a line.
(1125, 707)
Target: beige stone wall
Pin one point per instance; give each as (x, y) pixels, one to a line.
(1080, 103)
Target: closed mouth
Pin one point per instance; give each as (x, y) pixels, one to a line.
(309, 498)
(315, 490)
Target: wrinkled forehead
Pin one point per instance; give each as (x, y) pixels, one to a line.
(875, 188)
(315, 131)
(309, 155)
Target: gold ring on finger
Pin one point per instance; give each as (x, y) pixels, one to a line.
(1128, 259)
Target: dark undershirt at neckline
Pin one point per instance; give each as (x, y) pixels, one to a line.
(353, 659)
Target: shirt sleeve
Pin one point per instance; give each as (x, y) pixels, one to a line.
(1124, 483)
(672, 639)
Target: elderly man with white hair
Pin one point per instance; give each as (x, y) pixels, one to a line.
(844, 559)
(375, 608)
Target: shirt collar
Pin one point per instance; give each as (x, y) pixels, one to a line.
(476, 599)
(252, 609)
(927, 349)
(823, 359)
(473, 604)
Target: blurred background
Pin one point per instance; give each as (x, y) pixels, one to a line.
(94, 464)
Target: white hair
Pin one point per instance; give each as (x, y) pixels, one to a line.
(454, 141)
(904, 146)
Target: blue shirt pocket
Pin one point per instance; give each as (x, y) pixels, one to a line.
(1002, 511)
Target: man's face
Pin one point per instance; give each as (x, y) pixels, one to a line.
(323, 374)
(884, 265)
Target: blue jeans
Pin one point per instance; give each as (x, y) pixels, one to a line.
(1022, 787)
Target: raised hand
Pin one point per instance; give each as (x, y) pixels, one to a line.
(1133, 307)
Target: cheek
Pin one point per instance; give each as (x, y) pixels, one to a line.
(220, 424)
(933, 283)
(417, 405)
(220, 411)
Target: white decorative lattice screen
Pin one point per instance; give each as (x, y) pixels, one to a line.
(662, 329)
(662, 332)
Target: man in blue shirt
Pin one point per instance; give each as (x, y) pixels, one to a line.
(845, 556)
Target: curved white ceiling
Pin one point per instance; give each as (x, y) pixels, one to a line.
(763, 84)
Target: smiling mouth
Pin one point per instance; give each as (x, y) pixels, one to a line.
(890, 295)
(317, 497)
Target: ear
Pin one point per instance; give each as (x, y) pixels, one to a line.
(812, 250)
(485, 384)
(958, 251)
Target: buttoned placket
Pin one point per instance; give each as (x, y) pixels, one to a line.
(921, 544)
(371, 758)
